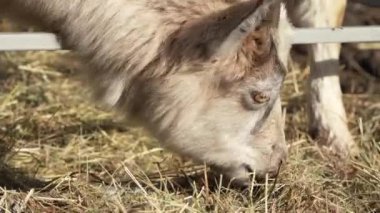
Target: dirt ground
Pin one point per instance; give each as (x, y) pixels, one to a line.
(60, 153)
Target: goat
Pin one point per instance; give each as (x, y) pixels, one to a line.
(202, 76)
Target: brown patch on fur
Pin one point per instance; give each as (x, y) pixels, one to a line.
(197, 39)
(257, 46)
(249, 66)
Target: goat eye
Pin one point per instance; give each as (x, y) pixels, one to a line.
(260, 97)
(254, 100)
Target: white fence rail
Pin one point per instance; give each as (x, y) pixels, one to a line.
(337, 35)
(28, 41)
(48, 41)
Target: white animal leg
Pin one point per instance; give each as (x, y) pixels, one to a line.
(327, 116)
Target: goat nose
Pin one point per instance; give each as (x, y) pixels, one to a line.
(278, 158)
(275, 170)
(280, 151)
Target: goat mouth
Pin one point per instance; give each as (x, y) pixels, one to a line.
(260, 177)
(248, 168)
(272, 174)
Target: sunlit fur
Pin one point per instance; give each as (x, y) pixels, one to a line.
(165, 64)
(328, 120)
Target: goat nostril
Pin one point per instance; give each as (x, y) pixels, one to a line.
(280, 164)
(248, 168)
(275, 171)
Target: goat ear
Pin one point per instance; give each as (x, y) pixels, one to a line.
(221, 32)
(256, 19)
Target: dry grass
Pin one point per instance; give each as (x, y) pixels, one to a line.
(50, 131)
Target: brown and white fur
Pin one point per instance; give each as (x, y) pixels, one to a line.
(202, 76)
